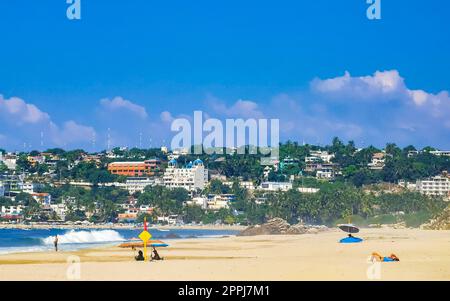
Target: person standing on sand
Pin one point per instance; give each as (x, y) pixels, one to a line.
(55, 242)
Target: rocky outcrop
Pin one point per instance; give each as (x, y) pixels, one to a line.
(440, 222)
(279, 226)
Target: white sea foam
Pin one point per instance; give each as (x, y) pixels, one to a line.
(83, 237)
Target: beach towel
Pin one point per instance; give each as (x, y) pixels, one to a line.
(350, 240)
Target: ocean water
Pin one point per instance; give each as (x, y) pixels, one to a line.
(35, 240)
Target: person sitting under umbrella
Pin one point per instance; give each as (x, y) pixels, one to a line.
(155, 255)
(140, 256)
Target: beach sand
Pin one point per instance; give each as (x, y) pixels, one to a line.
(424, 255)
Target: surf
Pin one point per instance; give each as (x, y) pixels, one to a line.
(85, 237)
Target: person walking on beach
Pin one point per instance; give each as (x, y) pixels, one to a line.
(55, 242)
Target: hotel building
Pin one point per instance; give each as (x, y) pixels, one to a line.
(192, 177)
(434, 186)
(135, 169)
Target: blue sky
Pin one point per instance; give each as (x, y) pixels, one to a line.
(319, 66)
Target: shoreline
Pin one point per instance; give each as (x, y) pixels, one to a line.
(119, 227)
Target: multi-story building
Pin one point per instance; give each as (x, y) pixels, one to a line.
(198, 201)
(10, 183)
(220, 201)
(29, 187)
(135, 169)
(10, 160)
(326, 171)
(192, 177)
(60, 210)
(138, 184)
(12, 213)
(288, 161)
(319, 156)
(11, 210)
(438, 185)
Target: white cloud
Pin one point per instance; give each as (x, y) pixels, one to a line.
(73, 132)
(118, 103)
(166, 116)
(240, 109)
(381, 86)
(27, 122)
(17, 111)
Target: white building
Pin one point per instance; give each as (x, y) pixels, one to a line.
(29, 187)
(440, 153)
(145, 209)
(170, 220)
(308, 190)
(218, 202)
(275, 186)
(198, 201)
(10, 160)
(191, 177)
(11, 210)
(60, 210)
(326, 173)
(319, 156)
(138, 184)
(438, 185)
(378, 160)
(243, 184)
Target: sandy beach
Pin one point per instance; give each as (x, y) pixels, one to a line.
(424, 255)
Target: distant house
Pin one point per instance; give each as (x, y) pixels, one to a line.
(440, 153)
(12, 213)
(200, 201)
(29, 187)
(326, 171)
(249, 185)
(308, 190)
(220, 201)
(129, 216)
(275, 186)
(42, 198)
(319, 156)
(170, 220)
(60, 210)
(378, 160)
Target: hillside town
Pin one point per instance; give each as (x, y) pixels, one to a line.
(123, 185)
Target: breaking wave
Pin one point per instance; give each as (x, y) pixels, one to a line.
(83, 237)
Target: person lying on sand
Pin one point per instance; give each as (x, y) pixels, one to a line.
(378, 257)
(155, 255)
(140, 256)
